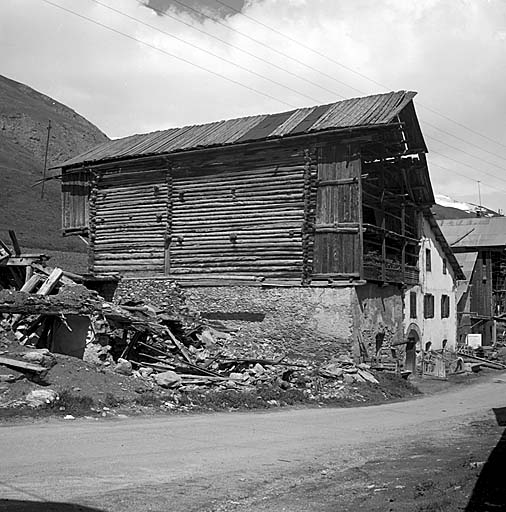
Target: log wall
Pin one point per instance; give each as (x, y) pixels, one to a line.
(238, 214)
(129, 220)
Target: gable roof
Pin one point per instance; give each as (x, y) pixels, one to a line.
(450, 256)
(474, 233)
(368, 111)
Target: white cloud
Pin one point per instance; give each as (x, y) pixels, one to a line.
(451, 52)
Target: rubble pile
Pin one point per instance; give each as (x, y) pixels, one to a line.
(162, 347)
(167, 347)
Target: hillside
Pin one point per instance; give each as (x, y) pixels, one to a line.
(24, 116)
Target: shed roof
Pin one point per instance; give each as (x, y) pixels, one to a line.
(474, 233)
(368, 111)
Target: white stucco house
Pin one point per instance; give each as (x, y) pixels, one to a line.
(430, 307)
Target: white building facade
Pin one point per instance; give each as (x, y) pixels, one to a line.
(430, 307)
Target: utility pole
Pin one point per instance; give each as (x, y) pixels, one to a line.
(45, 160)
(479, 196)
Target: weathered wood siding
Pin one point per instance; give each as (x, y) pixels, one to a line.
(75, 197)
(337, 243)
(239, 213)
(129, 220)
(481, 286)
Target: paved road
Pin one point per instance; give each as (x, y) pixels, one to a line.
(198, 462)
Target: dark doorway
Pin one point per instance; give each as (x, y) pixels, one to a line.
(410, 363)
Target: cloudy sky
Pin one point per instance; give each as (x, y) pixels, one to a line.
(154, 64)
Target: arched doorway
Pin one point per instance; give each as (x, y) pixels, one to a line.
(413, 338)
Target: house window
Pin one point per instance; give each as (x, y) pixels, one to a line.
(428, 260)
(445, 271)
(428, 305)
(412, 304)
(445, 306)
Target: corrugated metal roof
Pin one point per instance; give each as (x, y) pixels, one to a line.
(357, 112)
(474, 232)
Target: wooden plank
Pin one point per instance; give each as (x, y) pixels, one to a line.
(31, 284)
(50, 282)
(21, 365)
(15, 243)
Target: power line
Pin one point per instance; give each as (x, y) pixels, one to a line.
(310, 67)
(463, 140)
(466, 153)
(279, 52)
(245, 52)
(277, 83)
(467, 165)
(432, 164)
(111, 29)
(107, 27)
(205, 51)
(354, 71)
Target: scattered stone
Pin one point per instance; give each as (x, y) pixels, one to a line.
(8, 375)
(344, 359)
(40, 397)
(349, 378)
(258, 369)
(145, 372)
(123, 367)
(334, 369)
(40, 356)
(168, 379)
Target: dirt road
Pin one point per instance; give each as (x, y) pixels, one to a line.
(309, 459)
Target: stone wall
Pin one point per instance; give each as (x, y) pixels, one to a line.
(305, 322)
(378, 314)
(302, 322)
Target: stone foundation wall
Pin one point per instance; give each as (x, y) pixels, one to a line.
(305, 322)
(378, 314)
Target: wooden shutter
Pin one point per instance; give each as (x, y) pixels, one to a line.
(338, 226)
(75, 197)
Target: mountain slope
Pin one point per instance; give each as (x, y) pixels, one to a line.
(24, 117)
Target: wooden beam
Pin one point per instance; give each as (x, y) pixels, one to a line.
(32, 282)
(50, 282)
(21, 365)
(15, 243)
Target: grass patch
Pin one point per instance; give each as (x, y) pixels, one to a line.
(149, 399)
(71, 403)
(261, 398)
(111, 400)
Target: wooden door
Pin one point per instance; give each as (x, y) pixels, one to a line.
(338, 226)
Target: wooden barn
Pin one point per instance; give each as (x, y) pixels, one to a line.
(480, 247)
(324, 198)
